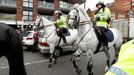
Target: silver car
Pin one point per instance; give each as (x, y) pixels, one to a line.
(44, 47)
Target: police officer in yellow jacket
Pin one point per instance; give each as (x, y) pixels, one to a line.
(61, 26)
(125, 63)
(102, 19)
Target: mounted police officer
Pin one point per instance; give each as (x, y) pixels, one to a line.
(61, 26)
(102, 19)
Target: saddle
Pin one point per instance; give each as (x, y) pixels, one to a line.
(109, 35)
(63, 31)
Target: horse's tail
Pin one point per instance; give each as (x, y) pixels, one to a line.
(118, 43)
(119, 40)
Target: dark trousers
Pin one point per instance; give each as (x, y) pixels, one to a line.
(34, 46)
(61, 34)
(103, 35)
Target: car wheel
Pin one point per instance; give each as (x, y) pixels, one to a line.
(57, 52)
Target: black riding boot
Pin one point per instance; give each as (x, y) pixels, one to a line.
(105, 42)
(64, 39)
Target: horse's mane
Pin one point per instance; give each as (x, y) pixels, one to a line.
(76, 6)
(46, 21)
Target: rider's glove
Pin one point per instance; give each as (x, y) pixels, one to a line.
(97, 18)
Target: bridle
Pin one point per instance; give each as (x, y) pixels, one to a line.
(75, 19)
(78, 23)
(41, 21)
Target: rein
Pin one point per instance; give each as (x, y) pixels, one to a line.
(81, 24)
(47, 26)
(84, 35)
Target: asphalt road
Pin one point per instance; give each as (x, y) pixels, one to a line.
(36, 64)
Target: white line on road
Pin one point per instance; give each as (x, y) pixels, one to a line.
(36, 62)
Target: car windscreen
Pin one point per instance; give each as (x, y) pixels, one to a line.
(41, 34)
(28, 34)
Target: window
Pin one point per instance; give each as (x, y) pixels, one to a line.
(25, 4)
(25, 12)
(30, 0)
(121, 16)
(28, 3)
(112, 15)
(25, 18)
(30, 18)
(25, 0)
(28, 15)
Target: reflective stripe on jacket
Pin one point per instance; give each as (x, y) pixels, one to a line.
(103, 16)
(61, 22)
(125, 61)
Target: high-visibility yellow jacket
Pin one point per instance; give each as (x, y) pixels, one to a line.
(125, 63)
(103, 17)
(61, 22)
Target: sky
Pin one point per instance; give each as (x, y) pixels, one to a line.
(92, 3)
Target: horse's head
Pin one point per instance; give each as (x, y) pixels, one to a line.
(73, 18)
(42, 21)
(78, 17)
(38, 21)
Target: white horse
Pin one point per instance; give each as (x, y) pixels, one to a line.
(87, 40)
(53, 38)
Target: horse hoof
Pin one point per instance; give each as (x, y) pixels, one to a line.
(106, 69)
(78, 71)
(55, 62)
(49, 65)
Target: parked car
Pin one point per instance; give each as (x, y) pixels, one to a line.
(44, 47)
(28, 39)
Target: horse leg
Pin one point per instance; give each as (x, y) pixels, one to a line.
(52, 48)
(50, 60)
(55, 58)
(108, 60)
(90, 62)
(74, 60)
(116, 49)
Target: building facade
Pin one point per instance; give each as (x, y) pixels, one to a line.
(120, 9)
(14, 11)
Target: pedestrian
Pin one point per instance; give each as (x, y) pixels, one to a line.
(125, 63)
(102, 19)
(36, 37)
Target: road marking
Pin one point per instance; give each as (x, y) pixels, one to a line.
(36, 62)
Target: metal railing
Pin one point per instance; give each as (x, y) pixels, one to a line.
(47, 5)
(8, 3)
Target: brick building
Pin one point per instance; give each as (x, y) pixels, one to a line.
(119, 9)
(13, 11)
